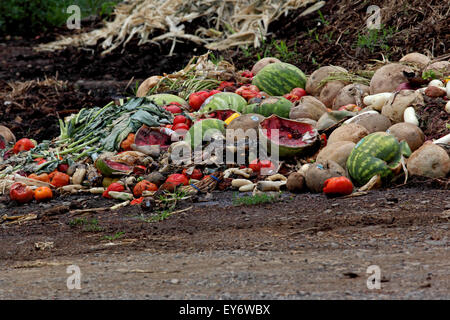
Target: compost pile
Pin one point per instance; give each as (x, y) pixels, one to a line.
(210, 127)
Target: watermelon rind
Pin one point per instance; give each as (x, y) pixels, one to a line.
(107, 170)
(284, 150)
(163, 99)
(273, 105)
(378, 153)
(277, 79)
(204, 129)
(223, 101)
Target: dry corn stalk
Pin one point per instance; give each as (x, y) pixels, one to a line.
(236, 22)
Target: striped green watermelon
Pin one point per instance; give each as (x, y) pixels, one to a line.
(223, 101)
(108, 167)
(277, 79)
(294, 137)
(203, 130)
(273, 105)
(378, 153)
(162, 99)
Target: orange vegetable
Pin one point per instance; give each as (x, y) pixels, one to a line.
(338, 186)
(59, 179)
(126, 144)
(142, 186)
(42, 177)
(43, 193)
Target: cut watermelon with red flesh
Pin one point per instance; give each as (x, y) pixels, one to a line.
(109, 167)
(146, 136)
(221, 114)
(290, 133)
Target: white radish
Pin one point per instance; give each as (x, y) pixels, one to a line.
(443, 140)
(247, 187)
(277, 177)
(376, 101)
(436, 83)
(270, 185)
(447, 88)
(447, 107)
(410, 116)
(237, 183)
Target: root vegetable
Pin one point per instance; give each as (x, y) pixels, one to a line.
(447, 107)
(439, 68)
(349, 132)
(79, 175)
(308, 107)
(124, 196)
(417, 58)
(337, 152)
(277, 177)
(262, 63)
(376, 101)
(7, 135)
(350, 94)
(266, 186)
(436, 83)
(313, 85)
(434, 91)
(388, 77)
(409, 116)
(237, 183)
(147, 85)
(295, 182)
(330, 91)
(395, 107)
(430, 160)
(371, 120)
(247, 187)
(408, 132)
(319, 172)
(443, 140)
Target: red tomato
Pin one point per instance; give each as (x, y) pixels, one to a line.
(196, 174)
(180, 126)
(299, 92)
(291, 97)
(59, 179)
(63, 167)
(173, 108)
(213, 92)
(338, 186)
(175, 103)
(247, 74)
(113, 187)
(178, 179)
(21, 193)
(225, 84)
(179, 119)
(196, 99)
(256, 165)
(23, 144)
(142, 186)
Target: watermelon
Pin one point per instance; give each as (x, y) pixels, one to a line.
(147, 136)
(294, 137)
(223, 101)
(108, 167)
(203, 130)
(273, 105)
(277, 79)
(378, 153)
(163, 99)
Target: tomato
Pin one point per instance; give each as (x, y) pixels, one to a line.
(59, 179)
(143, 186)
(42, 177)
(115, 186)
(173, 108)
(43, 193)
(180, 119)
(177, 179)
(196, 174)
(40, 160)
(21, 193)
(180, 126)
(213, 92)
(196, 99)
(256, 165)
(338, 186)
(63, 167)
(248, 92)
(291, 97)
(247, 74)
(137, 201)
(23, 144)
(299, 92)
(126, 144)
(225, 84)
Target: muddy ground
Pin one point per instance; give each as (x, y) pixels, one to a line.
(305, 247)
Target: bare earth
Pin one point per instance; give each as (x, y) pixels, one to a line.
(305, 247)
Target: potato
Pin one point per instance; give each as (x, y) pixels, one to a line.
(313, 86)
(337, 152)
(246, 121)
(430, 160)
(395, 107)
(319, 172)
(7, 135)
(329, 92)
(349, 132)
(262, 63)
(409, 132)
(329, 119)
(388, 77)
(147, 85)
(307, 107)
(419, 59)
(348, 94)
(441, 68)
(373, 122)
(295, 182)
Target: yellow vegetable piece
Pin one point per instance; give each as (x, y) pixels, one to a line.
(232, 117)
